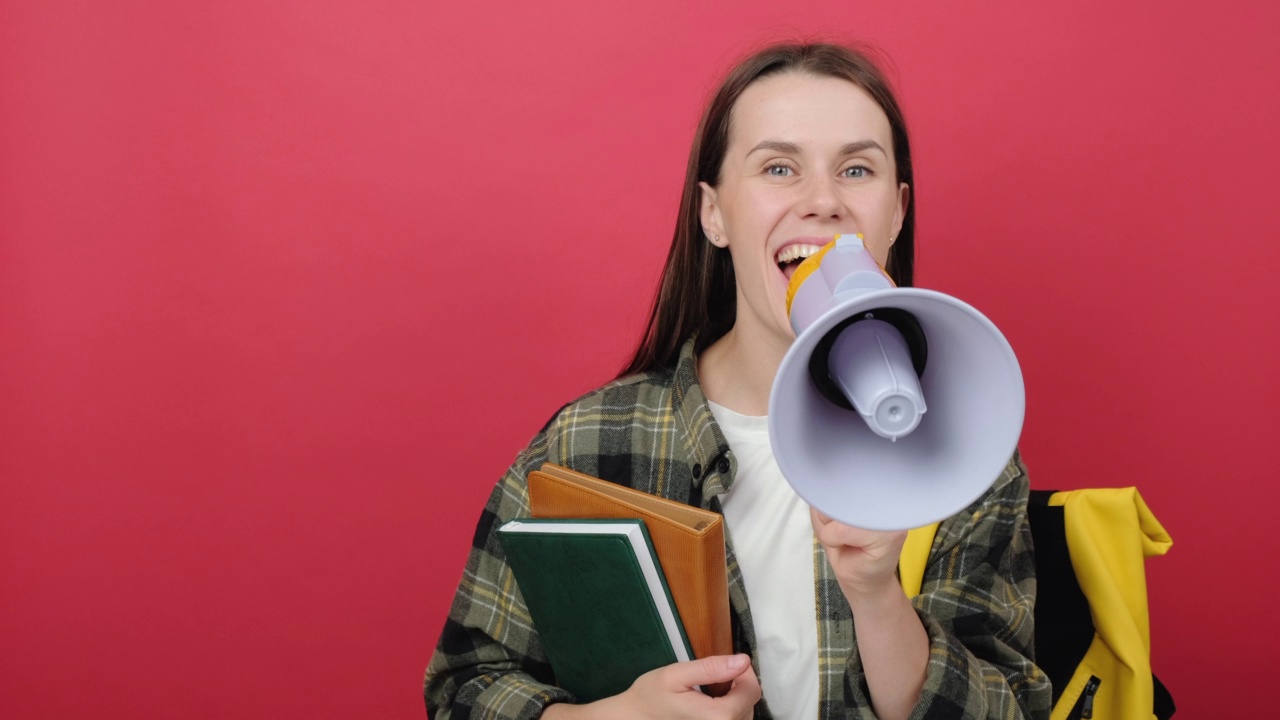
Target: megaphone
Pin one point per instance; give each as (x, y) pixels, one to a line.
(895, 407)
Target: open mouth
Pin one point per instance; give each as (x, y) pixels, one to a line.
(790, 257)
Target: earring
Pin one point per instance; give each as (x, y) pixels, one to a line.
(717, 239)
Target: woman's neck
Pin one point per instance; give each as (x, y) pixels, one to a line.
(737, 372)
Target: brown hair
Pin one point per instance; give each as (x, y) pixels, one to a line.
(697, 292)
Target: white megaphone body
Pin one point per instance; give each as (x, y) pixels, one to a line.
(895, 407)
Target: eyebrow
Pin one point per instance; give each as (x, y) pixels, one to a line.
(792, 148)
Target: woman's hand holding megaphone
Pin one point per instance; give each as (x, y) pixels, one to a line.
(865, 561)
(891, 640)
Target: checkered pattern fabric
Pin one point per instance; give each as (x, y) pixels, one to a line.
(655, 432)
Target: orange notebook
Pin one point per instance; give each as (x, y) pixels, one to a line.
(689, 542)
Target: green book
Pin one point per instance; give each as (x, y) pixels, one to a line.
(598, 599)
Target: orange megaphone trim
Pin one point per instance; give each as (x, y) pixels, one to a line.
(811, 263)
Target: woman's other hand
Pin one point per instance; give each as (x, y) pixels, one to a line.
(672, 692)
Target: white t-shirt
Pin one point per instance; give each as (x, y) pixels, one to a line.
(773, 541)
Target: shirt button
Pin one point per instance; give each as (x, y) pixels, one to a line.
(723, 466)
(697, 471)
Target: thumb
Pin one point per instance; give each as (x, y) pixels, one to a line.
(709, 670)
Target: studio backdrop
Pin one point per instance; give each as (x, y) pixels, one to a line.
(285, 286)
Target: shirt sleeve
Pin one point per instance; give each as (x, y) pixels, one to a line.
(977, 605)
(489, 662)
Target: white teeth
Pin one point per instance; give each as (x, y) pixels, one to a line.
(792, 253)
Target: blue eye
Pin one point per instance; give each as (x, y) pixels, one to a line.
(856, 171)
(778, 170)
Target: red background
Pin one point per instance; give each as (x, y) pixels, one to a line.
(284, 286)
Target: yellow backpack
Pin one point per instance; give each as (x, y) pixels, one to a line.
(1093, 636)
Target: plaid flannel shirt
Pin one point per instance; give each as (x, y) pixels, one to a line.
(655, 432)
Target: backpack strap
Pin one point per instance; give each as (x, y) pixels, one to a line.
(915, 555)
(1110, 532)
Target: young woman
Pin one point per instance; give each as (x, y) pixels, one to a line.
(800, 142)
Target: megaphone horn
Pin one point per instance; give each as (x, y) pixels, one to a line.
(895, 407)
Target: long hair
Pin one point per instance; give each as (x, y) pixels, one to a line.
(697, 293)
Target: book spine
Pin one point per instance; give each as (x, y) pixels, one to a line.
(711, 564)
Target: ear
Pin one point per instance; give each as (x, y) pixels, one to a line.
(709, 214)
(904, 201)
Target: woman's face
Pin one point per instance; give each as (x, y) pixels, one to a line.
(808, 157)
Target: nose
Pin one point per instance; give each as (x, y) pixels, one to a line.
(821, 200)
